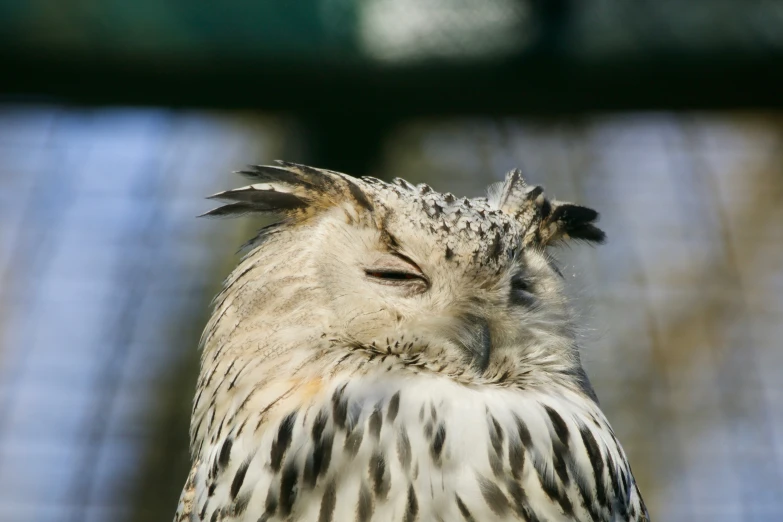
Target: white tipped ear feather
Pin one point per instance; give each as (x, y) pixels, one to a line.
(290, 189)
(545, 221)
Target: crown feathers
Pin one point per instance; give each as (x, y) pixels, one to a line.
(299, 191)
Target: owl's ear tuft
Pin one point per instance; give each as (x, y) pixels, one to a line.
(290, 189)
(514, 193)
(568, 221)
(544, 221)
(261, 200)
(275, 174)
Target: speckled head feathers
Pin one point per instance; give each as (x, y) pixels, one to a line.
(514, 215)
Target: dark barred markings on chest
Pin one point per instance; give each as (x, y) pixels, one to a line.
(385, 456)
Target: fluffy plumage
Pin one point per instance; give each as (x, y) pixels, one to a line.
(389, 353)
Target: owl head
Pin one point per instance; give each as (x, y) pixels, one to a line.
(460, 287)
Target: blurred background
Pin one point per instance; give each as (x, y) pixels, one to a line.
(117, 118)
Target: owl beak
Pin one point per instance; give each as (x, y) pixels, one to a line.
(476, 341)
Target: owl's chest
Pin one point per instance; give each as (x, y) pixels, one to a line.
(391, 449)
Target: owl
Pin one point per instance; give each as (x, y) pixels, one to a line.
(385, 352)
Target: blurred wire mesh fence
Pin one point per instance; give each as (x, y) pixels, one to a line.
(105, 280)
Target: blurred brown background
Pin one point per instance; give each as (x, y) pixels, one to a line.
(117, 119)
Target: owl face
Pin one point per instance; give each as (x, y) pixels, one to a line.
(464, 287)
(408, 289)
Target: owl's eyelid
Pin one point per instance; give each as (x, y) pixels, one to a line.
(396, 268)
(396, 275)
(388, 276)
